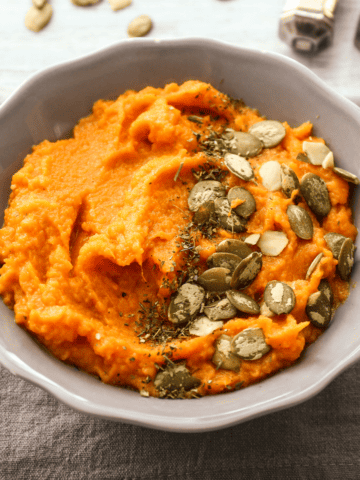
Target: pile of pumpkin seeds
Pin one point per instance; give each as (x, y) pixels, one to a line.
(204, 302)
(40, 13)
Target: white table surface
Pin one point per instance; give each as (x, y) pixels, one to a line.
(74, 31)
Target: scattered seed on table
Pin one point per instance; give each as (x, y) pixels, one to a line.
(140, 26)
(36, 19)
(119, 4)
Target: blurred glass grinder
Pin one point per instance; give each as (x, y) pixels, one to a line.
(308, 25)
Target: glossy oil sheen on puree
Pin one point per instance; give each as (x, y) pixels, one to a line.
(98, 238)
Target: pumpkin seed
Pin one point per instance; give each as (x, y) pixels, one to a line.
(316, 152)
(334, 242)
(203, 192)
(204, 213)
(300, 222)
(36, 18)
(313, 265)
(270, 132)
(315, 192)
(119, 4)
(215, 279)
(223, 259)
(349, 177)
(328, 161)
(140, 26)
(252, 239)
(174, 377)
(39, 3)
(246, 272)
(302, 157)
(289, 180)
(346, 259)
(248, 205)
(318, 309)
(227, 218)
(325, 288)
(250, 344)
(83, 3)
(220, 310)
(203, 326)
(239, 166)
(272, 243)
(279, 297)
(223, 356)
(247, 145)
(235, 246)
(186, 304)
(243, 302)
(270, 173)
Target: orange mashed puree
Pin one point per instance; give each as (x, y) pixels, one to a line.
(90, 244)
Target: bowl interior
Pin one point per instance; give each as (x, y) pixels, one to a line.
(50, 104)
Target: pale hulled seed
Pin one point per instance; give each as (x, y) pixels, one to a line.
(349, 177)
(247, 206)
(203, 326)
(346, 259)
(272, 243)
(316, 152)
(39, 3)
(176, 377)
(227, 218)
(315, 192)
(318, 309)
(246, 272)
(239, 166)
(36, 18)
(203, 192)
(252, 239)
(289, 180)
(140, 26)
(244, 303)
(215, 279)
(235, 246)
(300, 222)
(313, 265)
(223, 259)
(250, 344)
(279, 297)
(186, 304)
(329, 161)
(270, 173)
(223, 357)
(334, 241)
(247, 145)
(119, 4)
(84, 3)
(221, 310)
(270, 132)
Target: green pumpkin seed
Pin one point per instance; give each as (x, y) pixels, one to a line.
(318, 309)
(270, 173)
(223, 259)
(203, 192)
(175, 377)
(300, 222)
(203, 326)
(316, 152)
(227, 218)
(221, 310)
(250, 344)
(289, 180)
(140, 26)
(346, 259)
(349, 177)
(235, 246)
(247, 145)
(334, 242)
(204, 213)
(315, 192)
(325, 288)
(223, 356)
(270, 132)
(302, 157)
(279, 297)
(239, 166)
(215, 279)
(36, 18)
(243, 302)
(248, 206)
(246, 272)
(119, 4)
(186, 304)
(313, 265)
(272, 243)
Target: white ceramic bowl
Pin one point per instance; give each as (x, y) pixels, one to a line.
(50, 103)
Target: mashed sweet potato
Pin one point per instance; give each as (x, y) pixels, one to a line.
(96, 240)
